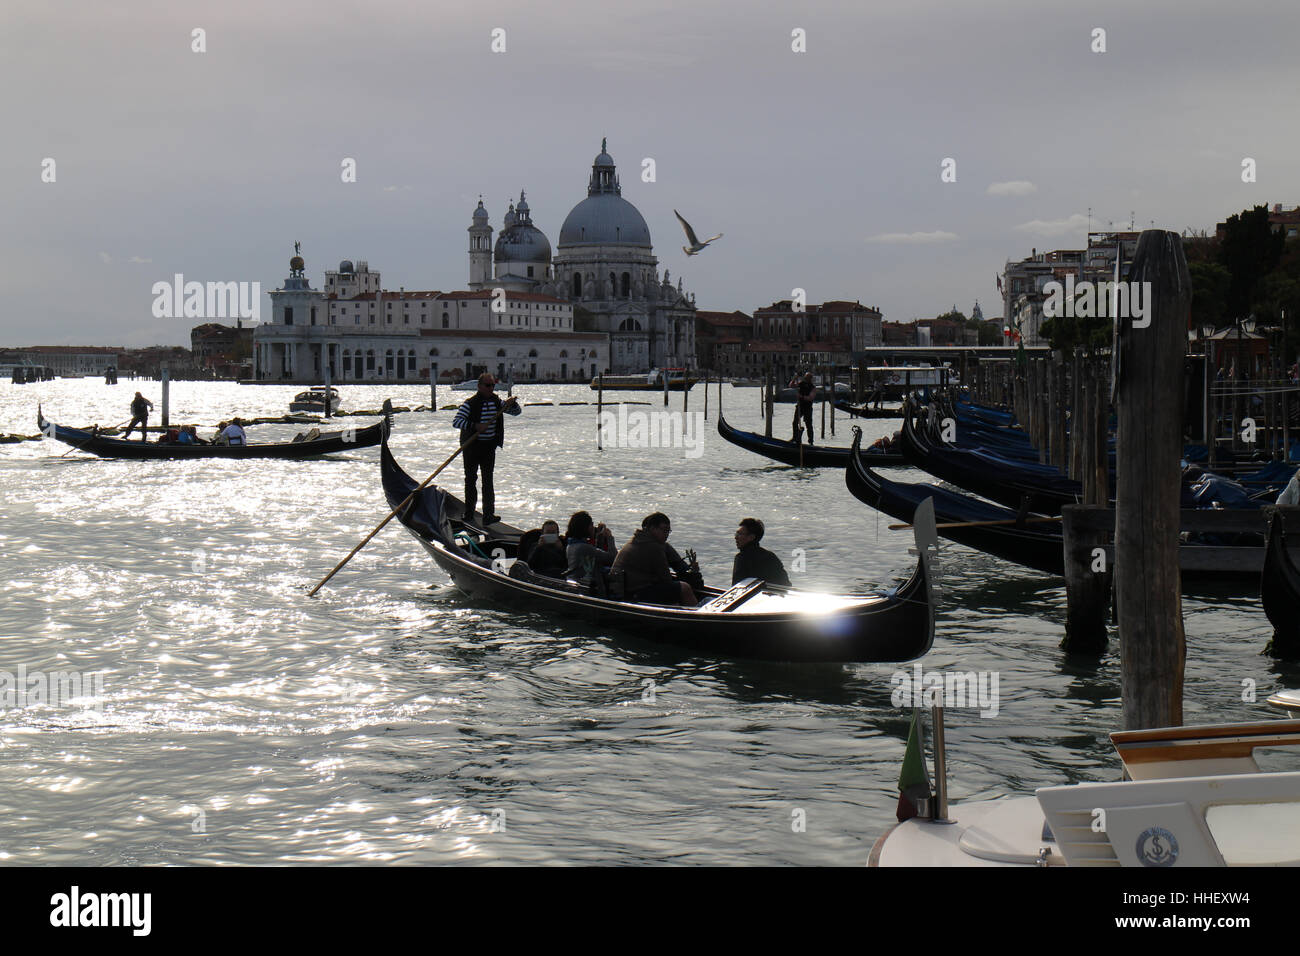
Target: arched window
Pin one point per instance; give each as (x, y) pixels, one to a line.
(627, 285)
(501, 353)
(564, 353)
(577, 283)
(433, 353)
(532, 353)
(370, 360)
(469, 353)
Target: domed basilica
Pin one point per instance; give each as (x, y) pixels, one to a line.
(604, 264)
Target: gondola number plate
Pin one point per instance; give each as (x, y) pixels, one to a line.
(735, 595)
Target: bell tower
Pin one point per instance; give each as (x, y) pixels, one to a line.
(480, 248)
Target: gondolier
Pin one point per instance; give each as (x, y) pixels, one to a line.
(140, 408)
(807, 393)
(480, 419)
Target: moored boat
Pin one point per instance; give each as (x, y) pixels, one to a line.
(799, 454)
(750, 620)
(1193, 796)
(313, 400)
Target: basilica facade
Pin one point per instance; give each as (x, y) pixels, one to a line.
(597, 304)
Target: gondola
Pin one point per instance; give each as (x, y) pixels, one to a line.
(1280, 591)
(328, 443)
(1021, 485)
(865, 410)
(811, 456)
(1034, 545)
(750, 620)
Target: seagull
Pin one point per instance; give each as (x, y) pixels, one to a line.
(695, 244)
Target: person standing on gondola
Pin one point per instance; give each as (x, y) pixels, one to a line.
(753, 561)
(803, 409)
(480, 419)
(140, 408)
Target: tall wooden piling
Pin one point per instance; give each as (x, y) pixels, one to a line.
(767, 401)
(600, 412)
(165, 374)
(1147, 392)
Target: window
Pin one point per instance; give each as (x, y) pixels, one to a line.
(469, 353)
(433, 353)
(288, 315)
(530, 272)
(627, 285)
(577, 284)
(501, 353)
(444, 320)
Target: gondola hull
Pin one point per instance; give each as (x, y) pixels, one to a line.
(778, 624)
(1280, 592)
(328, 443)
(790, 453)
(1034, 546)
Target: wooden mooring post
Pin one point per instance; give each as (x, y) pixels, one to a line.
(1148, 391)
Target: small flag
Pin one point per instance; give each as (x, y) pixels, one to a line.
(999, 278)
(913, 781)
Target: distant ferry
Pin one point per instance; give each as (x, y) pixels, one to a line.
(651, 381)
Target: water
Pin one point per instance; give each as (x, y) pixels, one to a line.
(390, 720)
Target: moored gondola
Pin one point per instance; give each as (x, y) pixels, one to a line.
(1034, 545)
(750, 620)
(348, 439)
(1280, 592)
(790, 453)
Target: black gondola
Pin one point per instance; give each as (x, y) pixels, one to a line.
(1023, 486)
(790, 453)
(1280, 591)
(1036, 546)
(328, 443)
(750, 620)
(865, 410)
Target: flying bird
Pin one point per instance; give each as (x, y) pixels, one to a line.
(695, 244)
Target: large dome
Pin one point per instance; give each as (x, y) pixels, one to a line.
(522, 242)
(604, 217)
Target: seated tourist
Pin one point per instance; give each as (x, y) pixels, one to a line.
(548, 556)
(590, 547)
(647, 574)
(234, 433)
(753, 561)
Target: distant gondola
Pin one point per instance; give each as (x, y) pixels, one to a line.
(865, 410)
(327, 443)
(1280, 591)
(811, 456)
(750, 620)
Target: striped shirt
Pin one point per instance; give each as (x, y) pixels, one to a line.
(488, 416)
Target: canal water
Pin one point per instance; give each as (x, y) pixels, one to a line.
(227, 718)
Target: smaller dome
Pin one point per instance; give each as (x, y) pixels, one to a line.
(510, 216)
(346, 267)
(604, 159)
(297, 264)
(480, 212)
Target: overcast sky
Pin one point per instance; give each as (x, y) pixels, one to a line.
(822, 168)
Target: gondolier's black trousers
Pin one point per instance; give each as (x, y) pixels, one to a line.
(143, 421)
(805, 412)
(480, 456)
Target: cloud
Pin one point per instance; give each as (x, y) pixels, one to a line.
(1055, 227)
(137, 259)
(105, 258)
(1016, 187)
(913, 238)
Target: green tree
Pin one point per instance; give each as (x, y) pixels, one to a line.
(1210, 284)
(1250, 249)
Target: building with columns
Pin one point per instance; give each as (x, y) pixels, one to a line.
(367, 334)
(603, 276)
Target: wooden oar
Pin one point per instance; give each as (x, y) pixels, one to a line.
(418, 488)
(87, 441)
(977, 524)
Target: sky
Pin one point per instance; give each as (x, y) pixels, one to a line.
(822, 168)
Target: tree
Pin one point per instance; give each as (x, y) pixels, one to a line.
(1250, 249)
(1210, 284)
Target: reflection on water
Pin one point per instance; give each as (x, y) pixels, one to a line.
(389, 719)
